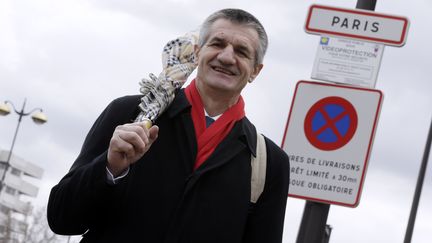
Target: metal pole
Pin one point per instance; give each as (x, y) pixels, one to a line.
(21, 114)
(370, 5)
(313, 224)
(366, 4)
(327, 233)
(417, 193)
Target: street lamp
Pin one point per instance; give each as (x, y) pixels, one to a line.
(38, 117)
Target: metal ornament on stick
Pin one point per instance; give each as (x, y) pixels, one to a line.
(178, 61)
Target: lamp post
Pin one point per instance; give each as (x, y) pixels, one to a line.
(38, 117)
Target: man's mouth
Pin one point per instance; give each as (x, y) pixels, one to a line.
(223, 70)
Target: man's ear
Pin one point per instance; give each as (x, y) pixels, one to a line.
(256, 71)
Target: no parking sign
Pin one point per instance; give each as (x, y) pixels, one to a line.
(328, 138)
(330, 123)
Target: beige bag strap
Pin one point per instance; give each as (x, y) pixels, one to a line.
(259, 166)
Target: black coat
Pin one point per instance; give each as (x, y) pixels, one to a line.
(162, 199)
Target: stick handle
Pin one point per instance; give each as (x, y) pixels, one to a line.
(148, 123)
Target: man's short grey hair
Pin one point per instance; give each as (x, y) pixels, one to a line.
(240, 17)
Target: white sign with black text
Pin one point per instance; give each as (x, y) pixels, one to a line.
(357, 23)
(347, 61)
(328, 139)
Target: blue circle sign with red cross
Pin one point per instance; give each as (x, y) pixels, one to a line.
(330, 123)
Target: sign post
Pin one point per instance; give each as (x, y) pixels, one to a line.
(381, 29)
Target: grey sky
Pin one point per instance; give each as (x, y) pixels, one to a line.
(73, 57)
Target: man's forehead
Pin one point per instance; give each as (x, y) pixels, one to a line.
(226, 30)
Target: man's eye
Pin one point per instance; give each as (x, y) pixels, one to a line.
(243, 54)
(215, 44)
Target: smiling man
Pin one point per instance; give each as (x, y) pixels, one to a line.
(189, 178)
(227, 60)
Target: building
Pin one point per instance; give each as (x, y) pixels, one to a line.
(13, 209)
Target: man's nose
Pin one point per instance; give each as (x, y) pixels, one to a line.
(227, 55)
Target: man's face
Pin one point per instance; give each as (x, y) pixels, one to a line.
(227, 59)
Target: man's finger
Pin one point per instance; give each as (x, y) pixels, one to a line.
(121, 146)
(133, 127)
(134, 140)
(153, 133)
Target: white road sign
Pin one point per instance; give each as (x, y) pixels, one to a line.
(347, 61)
(328, 139)
(358, 24)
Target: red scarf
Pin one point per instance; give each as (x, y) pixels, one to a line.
(209, 138)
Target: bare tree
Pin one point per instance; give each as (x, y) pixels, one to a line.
(30, 228)
(12, 228)
(6, 230)
(38, 230)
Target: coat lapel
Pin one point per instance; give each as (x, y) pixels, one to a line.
(242, 136)
(179, 111)
(225, 151)
(237, 140)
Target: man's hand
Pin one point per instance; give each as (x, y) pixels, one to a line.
(128, 144)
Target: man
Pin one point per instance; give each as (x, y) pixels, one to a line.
(180, 181)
